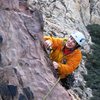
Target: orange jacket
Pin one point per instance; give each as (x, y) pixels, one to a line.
(72, 60)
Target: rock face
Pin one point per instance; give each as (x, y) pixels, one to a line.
(95, 11)
(64, 16)
(25, 70)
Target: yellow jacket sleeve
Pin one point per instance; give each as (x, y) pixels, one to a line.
(72, 64)
(55, 41)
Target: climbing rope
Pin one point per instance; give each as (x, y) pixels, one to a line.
(45, 97)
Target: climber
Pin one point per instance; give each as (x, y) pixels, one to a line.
(65, 53)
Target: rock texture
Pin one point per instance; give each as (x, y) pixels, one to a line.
(95, 11)
(25, 70)
(64, 16)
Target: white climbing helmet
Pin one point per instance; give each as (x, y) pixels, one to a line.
(79, 38)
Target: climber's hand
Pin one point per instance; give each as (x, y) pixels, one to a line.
(48, 43)
(55, 64)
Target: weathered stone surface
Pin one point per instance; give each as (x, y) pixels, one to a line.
(95, 11)
(20, 50)
(25, 70)
(85, 11)
(64, 16)
(9, 4)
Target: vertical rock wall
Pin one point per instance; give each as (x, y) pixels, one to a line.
(25, 70)
(64, 16)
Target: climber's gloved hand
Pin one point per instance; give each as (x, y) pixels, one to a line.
(56, 65)
(48, 44)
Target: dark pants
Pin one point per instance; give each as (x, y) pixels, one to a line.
(68, 82)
